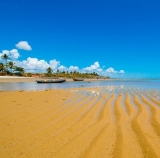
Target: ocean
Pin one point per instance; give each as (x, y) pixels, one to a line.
(28, 86)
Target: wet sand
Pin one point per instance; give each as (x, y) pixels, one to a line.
(33, 79)
(97, 122)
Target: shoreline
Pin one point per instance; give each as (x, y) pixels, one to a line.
(4, 79)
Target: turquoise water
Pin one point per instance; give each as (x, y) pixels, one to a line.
(27, 86)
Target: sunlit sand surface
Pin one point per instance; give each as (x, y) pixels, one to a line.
(97, 122)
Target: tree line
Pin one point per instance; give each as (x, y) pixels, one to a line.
(8, 67)
(71, 74)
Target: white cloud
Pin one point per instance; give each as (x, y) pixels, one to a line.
(4, 52)
(12, 54)
(73, 68)
(111, 70)
(54, 64)
(62, 68)
(36, 65)
(93, 67)
(33, 65)
(99, 70)
(121, 71)
(23, 45)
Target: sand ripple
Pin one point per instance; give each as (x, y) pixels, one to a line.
(97, 122)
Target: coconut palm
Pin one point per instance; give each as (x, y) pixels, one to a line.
(58, 71)
(49, 70)
(11, 65)
(20, 69)
(5, 57)
(2, 67)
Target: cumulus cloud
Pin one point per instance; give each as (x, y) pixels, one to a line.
(54, 64)
(111, 70)
(36, 65)
(93, 67)
(62, 68)
(113, 73)
(4, 52)
(33, 64)
(12, 54)
(99, 70)
(121, 71)
(73, 68)
(23, 45)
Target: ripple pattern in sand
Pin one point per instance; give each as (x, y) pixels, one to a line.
(96, 122)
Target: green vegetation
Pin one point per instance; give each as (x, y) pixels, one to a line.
(49, 71)
(9, 68)
(5, 57)
(2, 67)
(71, 74)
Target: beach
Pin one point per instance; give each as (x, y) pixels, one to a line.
(33, 79)
(95, 122)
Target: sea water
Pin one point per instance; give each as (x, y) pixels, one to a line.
(28, 86)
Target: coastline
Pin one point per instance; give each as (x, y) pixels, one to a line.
(33, 79)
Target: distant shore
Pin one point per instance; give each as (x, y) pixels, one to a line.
(33, 79)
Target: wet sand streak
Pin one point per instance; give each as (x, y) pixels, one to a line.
(81, 122)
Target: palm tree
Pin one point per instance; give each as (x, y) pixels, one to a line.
(49, 70)
(2, 67)
(19, 69)
(11, 65)
(57, 71)
(5, 57)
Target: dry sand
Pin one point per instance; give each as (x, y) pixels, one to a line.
(102, 122)
(17, 79)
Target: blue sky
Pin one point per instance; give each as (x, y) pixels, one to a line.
(98, 35)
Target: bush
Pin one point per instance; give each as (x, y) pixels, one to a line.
(28, 75)
(3, 73)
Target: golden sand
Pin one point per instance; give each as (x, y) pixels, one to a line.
(100, 122)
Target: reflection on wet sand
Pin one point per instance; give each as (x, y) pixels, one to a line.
(107, 121)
